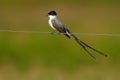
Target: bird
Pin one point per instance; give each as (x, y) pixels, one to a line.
(59, 27)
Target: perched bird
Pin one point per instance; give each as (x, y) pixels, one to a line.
(59, 27)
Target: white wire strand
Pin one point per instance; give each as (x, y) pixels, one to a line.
(39, 32)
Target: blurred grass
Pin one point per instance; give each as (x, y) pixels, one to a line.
(31, 56)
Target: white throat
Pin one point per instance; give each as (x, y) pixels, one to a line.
(52, 16)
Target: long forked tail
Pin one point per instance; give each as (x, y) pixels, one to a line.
(85, 46)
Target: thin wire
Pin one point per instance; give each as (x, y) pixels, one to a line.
(39, 32)
(23, 31)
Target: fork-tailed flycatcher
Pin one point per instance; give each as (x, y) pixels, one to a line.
(57, 25)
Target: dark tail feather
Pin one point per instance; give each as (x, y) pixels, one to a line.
(84, 46)
(67, 35)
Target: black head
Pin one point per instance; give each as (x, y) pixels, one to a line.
(52, 13)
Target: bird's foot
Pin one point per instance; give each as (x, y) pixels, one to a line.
(55, 33)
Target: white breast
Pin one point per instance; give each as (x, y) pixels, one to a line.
(50, 21)
(51, 25)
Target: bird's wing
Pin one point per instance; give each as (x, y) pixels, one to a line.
(61, 28)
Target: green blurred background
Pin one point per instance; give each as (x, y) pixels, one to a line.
(35, 56)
